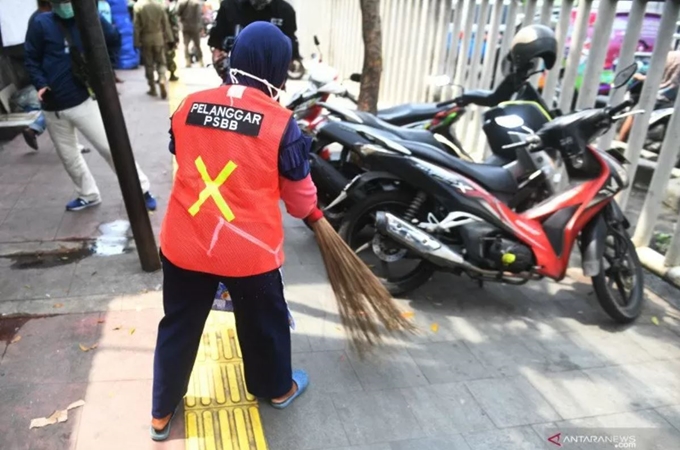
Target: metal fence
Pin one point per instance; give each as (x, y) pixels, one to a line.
(423, 39)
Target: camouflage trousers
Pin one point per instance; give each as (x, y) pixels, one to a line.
(170, 60)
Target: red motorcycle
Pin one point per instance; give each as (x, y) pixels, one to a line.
(426, 211)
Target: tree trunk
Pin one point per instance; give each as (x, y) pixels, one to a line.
(372, 70)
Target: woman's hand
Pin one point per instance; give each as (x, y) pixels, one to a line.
(41, 93)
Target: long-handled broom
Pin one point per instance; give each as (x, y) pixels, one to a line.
(361, 297)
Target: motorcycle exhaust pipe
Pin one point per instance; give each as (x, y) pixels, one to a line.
(329, 181)
(420, 242)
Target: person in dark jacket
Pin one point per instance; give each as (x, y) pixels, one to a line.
(53, 50)
(234, 15)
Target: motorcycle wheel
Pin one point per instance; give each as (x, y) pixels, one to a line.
(296, 70)
(619, 286)
(358, 230)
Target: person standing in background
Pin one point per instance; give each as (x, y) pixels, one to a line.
(56, 64)
(191, 16)
(153, 35)
(171, 50)
(237, 14)
(105, 10)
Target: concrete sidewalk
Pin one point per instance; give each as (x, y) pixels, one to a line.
(497, 367)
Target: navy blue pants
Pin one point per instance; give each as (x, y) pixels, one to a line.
(262, 326)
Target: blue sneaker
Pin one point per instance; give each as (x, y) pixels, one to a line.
(80, 204)
(150, 201)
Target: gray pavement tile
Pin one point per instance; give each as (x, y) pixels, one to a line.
(126, 346)
(49, 352)
(445, 362)
(9, 194)
(574, 394)
(662, 374)
(70, 305)
(638, 393)
(508, 356)
(331, 372)
(446, 409)
(24, 225)
(520, 438)
(41, 196)
(511, 402)
(120, 274)
(658, 341)
(613, 347)
(26, 401)
(671, 414)
(561, 352)
(300, 342)
(384, 446)
(20, 173)
(377, 416)
(310, 423)
(39, 283)
(388, 367)
(85, 224)
(439, 443)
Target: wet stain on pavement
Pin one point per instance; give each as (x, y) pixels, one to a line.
(50, 259)
(10, 326)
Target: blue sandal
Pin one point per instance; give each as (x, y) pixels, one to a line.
(162, 435)
(301, 379)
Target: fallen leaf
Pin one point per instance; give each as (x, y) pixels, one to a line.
(94, 273)
(434, 327)
(87, 349)
(655, 321)
(58, 305)
(16, 339)
(64, 258)
(408, 314)
(27, 286)
(58, 416)
(132, 330)
(101, 321)
(118, 328)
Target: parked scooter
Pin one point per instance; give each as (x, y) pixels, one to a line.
(486, 222)
(298, 67)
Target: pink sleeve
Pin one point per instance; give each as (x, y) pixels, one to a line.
(299, 196)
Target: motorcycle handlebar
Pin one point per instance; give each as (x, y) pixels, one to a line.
(614, 110)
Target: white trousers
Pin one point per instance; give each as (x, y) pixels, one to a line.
(86, 118)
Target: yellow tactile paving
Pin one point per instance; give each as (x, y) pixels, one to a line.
(220, 414)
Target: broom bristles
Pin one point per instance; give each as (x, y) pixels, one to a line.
(360, 295)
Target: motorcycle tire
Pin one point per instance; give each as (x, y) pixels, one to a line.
(402, 200)
(296, 70)
(607, 299)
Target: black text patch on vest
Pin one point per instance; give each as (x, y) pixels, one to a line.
(225, 118)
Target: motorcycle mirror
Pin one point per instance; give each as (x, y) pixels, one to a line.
(624, 76)
(316, 41)
(440, 80)
(512, 121)
(356, 77)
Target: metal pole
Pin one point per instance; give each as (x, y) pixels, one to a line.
(452, 57)
(529, 12)
(482, 18)
(598, 52)
(638, 133)
(546, 12)
(508, 34)
(104, 85)
(578, 37)
(626, 57)
(673, 255)
(554, 74)
(467, 40)
(657, 188)
(439, 44)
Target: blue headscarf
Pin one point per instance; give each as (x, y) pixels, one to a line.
(262, 50)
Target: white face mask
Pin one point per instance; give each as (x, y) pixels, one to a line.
(270, 87)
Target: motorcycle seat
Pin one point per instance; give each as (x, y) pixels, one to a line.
(409, 113)
(492, 177)
(406, 134)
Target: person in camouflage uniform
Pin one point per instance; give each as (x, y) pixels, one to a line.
(170, 53)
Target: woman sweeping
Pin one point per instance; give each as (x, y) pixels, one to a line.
(239, 152)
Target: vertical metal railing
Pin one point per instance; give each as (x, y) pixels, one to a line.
(627, 56)
(552, 79)
(578, 38)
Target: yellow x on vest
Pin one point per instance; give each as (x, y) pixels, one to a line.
(212, 189)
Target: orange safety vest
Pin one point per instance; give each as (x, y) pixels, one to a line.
(223, 217)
